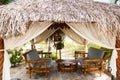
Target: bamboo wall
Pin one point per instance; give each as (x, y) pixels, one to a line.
(118, 60)
(1, 57)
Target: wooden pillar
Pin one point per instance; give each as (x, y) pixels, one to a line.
(1, 57)
(118, 59)
(85, 45)
(60, 53)
(49, 45)
(32, 44)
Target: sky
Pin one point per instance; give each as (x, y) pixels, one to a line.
(103, 1)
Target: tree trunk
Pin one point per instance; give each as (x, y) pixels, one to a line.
(1, 57)
(118, 60)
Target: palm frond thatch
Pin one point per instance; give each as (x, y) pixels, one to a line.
(16, 17)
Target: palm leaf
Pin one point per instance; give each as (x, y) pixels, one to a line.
(5, 1)
(116, 1)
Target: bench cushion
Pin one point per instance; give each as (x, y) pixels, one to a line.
(33, 55)
(95, 53)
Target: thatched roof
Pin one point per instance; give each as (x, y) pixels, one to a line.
(16, 17)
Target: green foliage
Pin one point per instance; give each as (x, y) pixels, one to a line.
(80, 47)
(59, 45)
(115, 2)
(53, 56)
(16, 57)
(93, 45)
(6, 1)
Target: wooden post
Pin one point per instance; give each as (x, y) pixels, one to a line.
(118, 59)
(32, 44)
(60, 53)
(49, 46)
(1, 57)
(56, 54)
(85, 45)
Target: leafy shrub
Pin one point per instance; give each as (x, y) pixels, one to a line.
(53, 56)
(93, 45)
(16, 57)
(80, 47)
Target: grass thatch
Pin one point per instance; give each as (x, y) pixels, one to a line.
(16, 17)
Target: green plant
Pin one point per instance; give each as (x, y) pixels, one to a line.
(16, 57)
(6, 1)
(53, 56)
(59, 45)
(79, 47)
(93, 45)
(115, 2)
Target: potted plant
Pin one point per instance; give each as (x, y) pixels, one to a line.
(59, 45)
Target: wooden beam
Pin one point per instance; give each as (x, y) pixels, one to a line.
(1, 57)
(118, 59)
